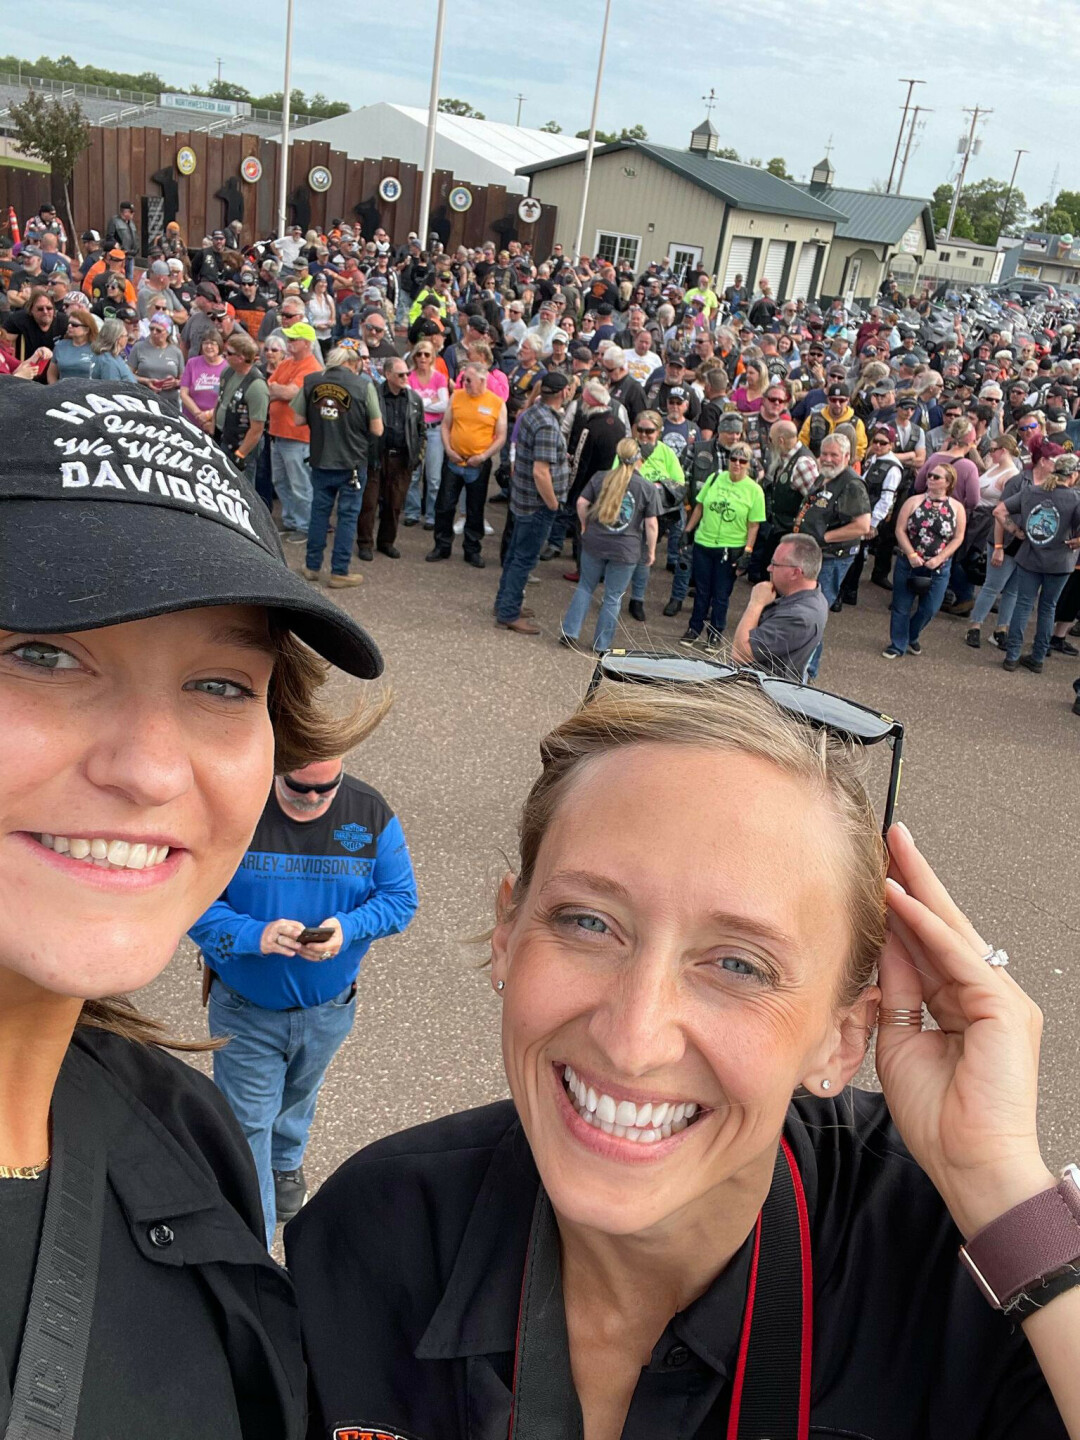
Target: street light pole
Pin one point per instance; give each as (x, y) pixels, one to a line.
(520, 99)
(432, 121)
(903, 121)
(283, 176)
(592, 134)
(1008, 193)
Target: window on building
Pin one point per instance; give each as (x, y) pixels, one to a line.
(616, 248)
(943, 256)
(978, 259)
(961, 254)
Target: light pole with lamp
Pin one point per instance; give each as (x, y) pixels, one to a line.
(283, 177)
(433, 117)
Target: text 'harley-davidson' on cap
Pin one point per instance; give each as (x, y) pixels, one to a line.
(115, 507)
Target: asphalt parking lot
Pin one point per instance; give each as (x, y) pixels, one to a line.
(989, 791)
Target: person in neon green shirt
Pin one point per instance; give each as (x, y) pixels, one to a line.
(704, 292)
(724, 524)
(659, 462)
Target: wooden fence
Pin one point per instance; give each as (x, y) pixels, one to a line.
(139, 163)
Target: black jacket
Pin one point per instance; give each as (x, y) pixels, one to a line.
(195, 1332)
(415, 433)
(123, 235)
(408, 1265)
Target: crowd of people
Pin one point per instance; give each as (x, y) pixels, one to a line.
(667, 1226)
(413, 386)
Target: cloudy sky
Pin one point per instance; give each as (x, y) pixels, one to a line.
(790, 75)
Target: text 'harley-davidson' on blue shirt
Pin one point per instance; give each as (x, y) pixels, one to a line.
(352, 863)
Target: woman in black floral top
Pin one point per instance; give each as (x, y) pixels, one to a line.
(929, 531)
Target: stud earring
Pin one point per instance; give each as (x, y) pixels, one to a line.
(500, 984)
(826, 1084)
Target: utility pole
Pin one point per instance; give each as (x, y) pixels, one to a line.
(919, 110)
(1008, 193)
(219, 70)
(903, 121)
(963, 166)
(520, 99)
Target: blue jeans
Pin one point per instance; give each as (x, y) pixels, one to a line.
(905, 627)
(1000, 585)
(326, 485)
(527, 539)
(962, 587)
(1032, 585)
(641, 573)
(560, 526)
(714, 580)
(833, 570)
(270, 1073)
(615, 576)
(432, 470)
(292, 481)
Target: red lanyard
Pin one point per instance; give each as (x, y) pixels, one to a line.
(771, 1386)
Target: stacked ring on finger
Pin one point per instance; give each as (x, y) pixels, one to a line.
(997, 958)
(912, 1018)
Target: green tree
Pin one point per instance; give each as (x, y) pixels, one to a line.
(727, 152)
(55, 133)
(778, 166)
(552, 127)
(603, 137)
(226, 90)
(962, 229)
(633, 132)
(940, 207)
(1069, 200)
(460, 107)
(1059, 222)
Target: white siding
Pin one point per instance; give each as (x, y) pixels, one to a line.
(740, 254)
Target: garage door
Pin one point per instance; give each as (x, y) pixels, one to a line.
(804, 274)
(773, 269)
(738, 261)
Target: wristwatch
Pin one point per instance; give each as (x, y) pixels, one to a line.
(1025, 1257)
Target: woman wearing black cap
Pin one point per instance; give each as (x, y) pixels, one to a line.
(151, 683)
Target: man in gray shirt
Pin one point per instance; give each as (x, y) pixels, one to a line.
(784, 620)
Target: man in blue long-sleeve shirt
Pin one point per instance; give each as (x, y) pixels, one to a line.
(328, 854)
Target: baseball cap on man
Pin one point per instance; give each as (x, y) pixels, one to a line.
(836, 389)
(300, 331)
(80, 511)
(116, 254)
(552, 381)
(206, 290)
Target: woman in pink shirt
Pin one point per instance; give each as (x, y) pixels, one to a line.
(498, 381)
(201, 381)
(432, 387)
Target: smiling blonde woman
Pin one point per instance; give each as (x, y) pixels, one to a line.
(685, 1222)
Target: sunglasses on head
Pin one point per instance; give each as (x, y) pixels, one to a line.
(845, 718)
(298, 788)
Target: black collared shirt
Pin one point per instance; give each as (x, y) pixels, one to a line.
(194, 1333)
(408, 1265)
(395, 416)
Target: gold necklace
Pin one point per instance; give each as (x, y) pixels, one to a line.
(24, 1172)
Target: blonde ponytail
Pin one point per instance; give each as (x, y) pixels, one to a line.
(605, 508)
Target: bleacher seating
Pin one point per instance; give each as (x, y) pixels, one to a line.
(126, 107)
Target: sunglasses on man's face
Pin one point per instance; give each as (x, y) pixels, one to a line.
(845, 718)
(298, 787)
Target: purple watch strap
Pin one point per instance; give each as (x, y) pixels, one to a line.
(1028, 1242)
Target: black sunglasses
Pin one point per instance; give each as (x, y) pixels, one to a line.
(845, 718)
(300, 789)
